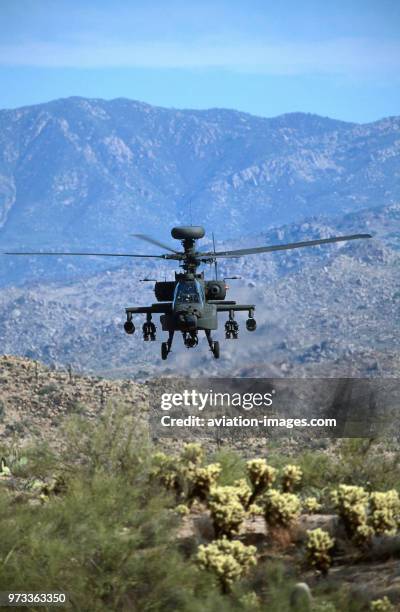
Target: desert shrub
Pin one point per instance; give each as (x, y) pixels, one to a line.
(273, 585)
(318, 550)
(46, 488)
(291, 478)
(311, 505)
(232, 466)
(227, 511)
(76, 407)
(2, 411)
(117, 442)
(382, 605)
(228, 560)
(281, 509)
(108, 537)
(31, 461)
(318, 469)
(50, 389)
(106, 545)
(372, 464)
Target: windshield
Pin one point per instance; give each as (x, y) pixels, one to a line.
(188, 291)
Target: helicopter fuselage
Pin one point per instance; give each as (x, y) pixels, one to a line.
(188, 305)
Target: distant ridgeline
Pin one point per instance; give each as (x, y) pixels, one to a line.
(77, 172)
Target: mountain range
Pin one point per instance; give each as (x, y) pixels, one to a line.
(84, 174)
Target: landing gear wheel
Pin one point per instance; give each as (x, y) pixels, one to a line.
(164, 350)
(215, 349)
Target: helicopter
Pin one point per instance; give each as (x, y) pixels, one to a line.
(190, 303)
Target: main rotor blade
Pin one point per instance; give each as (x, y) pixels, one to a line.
(88, 254)
(155, 242)
(284, 247)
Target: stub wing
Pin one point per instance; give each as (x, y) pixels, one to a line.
(160, 308)
(227, 306)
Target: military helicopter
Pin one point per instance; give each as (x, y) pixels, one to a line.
(190, 303)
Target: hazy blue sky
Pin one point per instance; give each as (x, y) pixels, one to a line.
(334, 57)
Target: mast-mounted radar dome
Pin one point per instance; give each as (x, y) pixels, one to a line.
(194, 232)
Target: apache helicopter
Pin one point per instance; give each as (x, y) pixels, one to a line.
(190, 303)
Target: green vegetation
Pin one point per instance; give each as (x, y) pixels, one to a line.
(311, 505)
(2, 411)
(291, 478)
(228, 560)
(382, 605)
(50, 389)
(261, 476)
(318, 547)
(102, 520)
(281, 509)
(227, 511)
(367, 514)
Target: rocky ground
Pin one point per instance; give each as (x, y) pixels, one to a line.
(34, 399)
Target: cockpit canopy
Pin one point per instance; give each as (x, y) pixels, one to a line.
(187, 292)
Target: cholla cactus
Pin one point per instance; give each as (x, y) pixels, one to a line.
(228, 560)
(182, 510)
(385, 512)
(243, 492)
(5, 471)
(281, 509)
(192, 453)
(184, 475)
(250, 601)
(227, 512)
(166, 471)
(366, 514)
(348, 495)
(291, 478)
(363, 535)
(351, 502)
(201, 480)
(382, 605)
(312, 505)
(318, 547)
(255, 510)
(261, 476)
